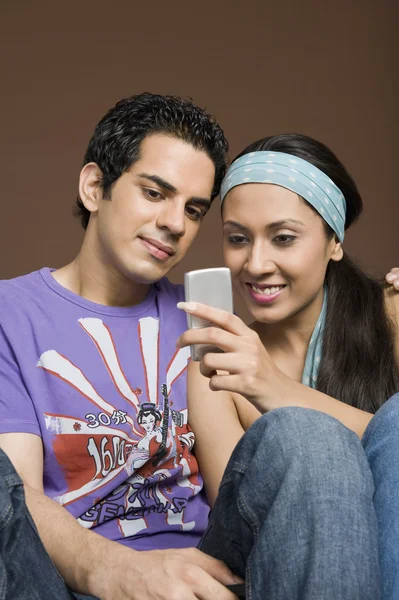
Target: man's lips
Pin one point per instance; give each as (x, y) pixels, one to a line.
(157, 248)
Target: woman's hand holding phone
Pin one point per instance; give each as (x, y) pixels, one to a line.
(246, 365)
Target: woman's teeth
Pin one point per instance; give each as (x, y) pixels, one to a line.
(267, 291)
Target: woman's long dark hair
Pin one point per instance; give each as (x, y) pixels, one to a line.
(358, 363)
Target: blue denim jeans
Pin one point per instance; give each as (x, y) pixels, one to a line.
(26, 570)
(294, 516)
(381, 444)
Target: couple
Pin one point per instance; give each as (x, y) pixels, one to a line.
(93, 406)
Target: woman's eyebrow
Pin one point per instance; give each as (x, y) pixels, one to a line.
(283, 222)
(273, 225)
(234, 224)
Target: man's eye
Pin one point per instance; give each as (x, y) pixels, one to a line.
(193, 213)
(152, 194)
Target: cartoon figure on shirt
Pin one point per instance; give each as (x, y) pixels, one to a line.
(148, 418)
(161, 440)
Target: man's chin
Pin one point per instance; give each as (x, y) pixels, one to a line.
(150, 276)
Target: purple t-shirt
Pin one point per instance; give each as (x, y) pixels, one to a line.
(105, 388)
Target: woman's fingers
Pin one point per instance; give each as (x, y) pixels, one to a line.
(212, 362)
(393, 277)
(229, 383)
(223, 319)
(211, 336)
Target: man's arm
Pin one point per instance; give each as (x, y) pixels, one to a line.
(57, 528)
(91, 564)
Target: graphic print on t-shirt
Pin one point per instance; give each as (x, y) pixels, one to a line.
(132, 461)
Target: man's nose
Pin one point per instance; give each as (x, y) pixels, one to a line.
(172, 218)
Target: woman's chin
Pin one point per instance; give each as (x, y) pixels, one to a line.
(268, 319)
(263, 314)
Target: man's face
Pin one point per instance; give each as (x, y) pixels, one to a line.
(155, 210)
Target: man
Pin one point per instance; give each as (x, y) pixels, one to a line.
(85, 350)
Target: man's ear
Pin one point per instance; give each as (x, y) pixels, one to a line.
(337, 252)
(90, 189)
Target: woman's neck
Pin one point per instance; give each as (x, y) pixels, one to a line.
(290, 338)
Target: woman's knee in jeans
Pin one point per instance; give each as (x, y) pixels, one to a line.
(308, 444)
(301, 429)
(384, 422)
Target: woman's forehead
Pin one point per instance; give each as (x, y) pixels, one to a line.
(254, 201)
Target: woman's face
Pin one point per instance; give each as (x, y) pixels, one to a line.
(148, 423)
(276, 248)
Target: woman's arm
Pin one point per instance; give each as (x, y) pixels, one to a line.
(297, 394)
(215, 421)
(245, 368)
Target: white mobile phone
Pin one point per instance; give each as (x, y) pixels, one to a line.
(211, 287)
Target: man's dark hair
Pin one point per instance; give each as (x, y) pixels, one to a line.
(116, 141)
(358, 363)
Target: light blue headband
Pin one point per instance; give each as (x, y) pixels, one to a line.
(295, 174)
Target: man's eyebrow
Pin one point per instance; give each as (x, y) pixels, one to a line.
(159, 181)
(205, 202)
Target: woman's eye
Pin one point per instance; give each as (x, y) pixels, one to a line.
(236, 239)
(285, 239)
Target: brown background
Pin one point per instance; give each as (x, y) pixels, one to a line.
(326, 69)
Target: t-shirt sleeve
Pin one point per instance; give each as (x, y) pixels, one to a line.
(17, 413)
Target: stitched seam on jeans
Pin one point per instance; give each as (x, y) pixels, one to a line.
(240, 467)
(3, 584)
(246, 515)
(230, 478)
(4, 522)
(248, 583)
(14, 479)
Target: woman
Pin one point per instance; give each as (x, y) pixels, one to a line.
(324, 338)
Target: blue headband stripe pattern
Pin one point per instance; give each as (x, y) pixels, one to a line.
(294, 174)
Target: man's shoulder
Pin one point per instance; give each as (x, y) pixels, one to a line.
(17, 289)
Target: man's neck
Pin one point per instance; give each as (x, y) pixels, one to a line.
(89, 277)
